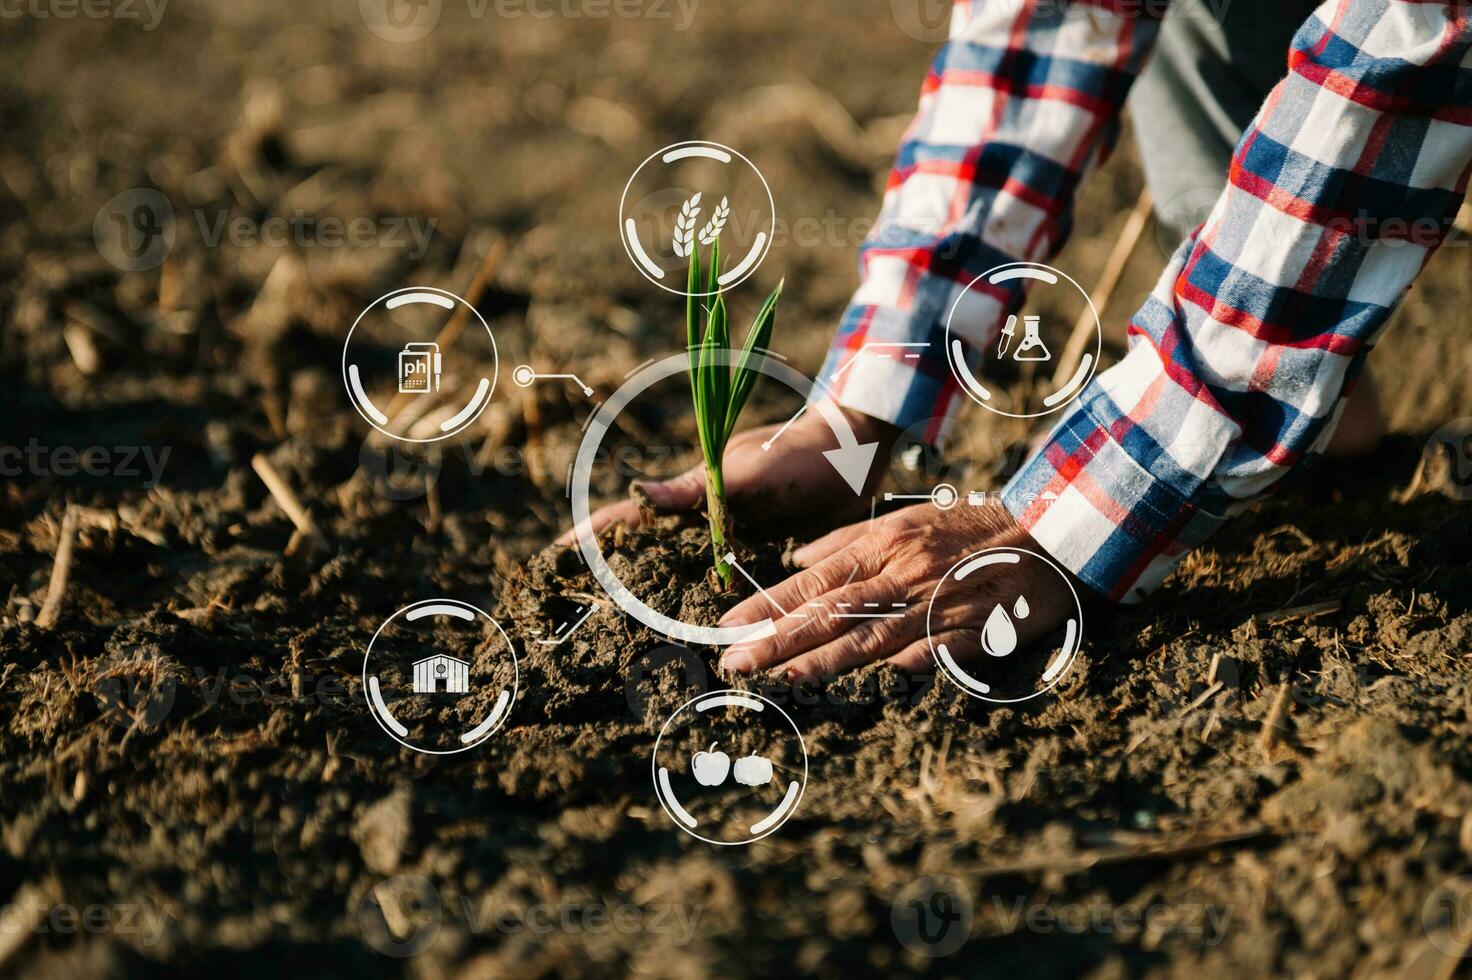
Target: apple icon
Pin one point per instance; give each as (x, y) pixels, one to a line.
(710, 767)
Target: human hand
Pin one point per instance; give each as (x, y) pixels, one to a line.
(792, 479)
(902, 558)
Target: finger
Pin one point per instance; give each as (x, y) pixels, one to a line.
(828, 544)
(681, 493)
(625, 511)
(915, 658)
(813, 624)
(962, 645)
(858, 561)
(865, 642)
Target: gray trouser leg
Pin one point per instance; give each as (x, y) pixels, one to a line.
(1214, 63)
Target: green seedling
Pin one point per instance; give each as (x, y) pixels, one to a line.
(718, 395)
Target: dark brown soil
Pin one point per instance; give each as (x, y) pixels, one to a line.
(189, 751)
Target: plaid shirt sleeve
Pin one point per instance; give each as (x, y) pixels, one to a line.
(1018, 106)
(1239, 362)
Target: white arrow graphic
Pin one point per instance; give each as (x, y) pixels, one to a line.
(852, 459)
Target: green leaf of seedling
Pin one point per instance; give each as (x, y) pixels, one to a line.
(712, 275)
(693, 308)
(707, 419)
(720, 376)
(757, 339)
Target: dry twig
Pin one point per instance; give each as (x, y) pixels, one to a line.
(1155, 851)
(286, 499)
(1272, 725)
(1083, 327)
(1298, 612)
(61, 570)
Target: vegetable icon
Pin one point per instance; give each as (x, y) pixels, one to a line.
(710, 768)
(753, 770)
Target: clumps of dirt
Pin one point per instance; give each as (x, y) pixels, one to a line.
(1368, 772)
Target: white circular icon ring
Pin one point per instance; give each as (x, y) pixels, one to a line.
(661, 221)
(394, 346)
(1002, 670)
(979, 301)
(713, 799)
(440, 676)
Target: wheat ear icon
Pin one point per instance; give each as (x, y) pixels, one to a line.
(685, 226)
(712, 229)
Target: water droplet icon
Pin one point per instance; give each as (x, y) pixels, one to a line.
(1020, 608)
(998, 635)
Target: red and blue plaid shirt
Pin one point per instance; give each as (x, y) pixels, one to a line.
(1241, 358)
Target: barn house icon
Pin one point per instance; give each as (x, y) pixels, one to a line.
(429, 672)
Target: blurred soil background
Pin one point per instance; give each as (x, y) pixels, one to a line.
(1271, 760)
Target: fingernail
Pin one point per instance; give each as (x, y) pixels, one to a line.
(801, 555)
(658, 492)
(732, 619)
(741, 663)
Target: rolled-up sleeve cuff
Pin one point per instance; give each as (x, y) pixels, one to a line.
(890, 366)
(1100, 514)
